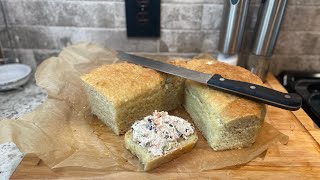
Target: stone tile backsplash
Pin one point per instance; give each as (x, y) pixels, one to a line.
(41, 28)
(177, 16)
(61, 13)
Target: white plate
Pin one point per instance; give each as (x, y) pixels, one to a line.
(13, 75)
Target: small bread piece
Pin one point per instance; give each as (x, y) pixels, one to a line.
(121, 93)
(151, 157)
(225, 120)
(148, 160)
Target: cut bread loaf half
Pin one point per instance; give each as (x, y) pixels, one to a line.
(121, 93)
(226, 121)
(150, 161)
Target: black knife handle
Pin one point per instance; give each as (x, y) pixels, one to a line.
(289, 101)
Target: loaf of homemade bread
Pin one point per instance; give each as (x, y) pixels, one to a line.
(226, 121)
(121, 93)
(160, 138)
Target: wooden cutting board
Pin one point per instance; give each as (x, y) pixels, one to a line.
(299, 159)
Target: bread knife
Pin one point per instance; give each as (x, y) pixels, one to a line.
(289, 101)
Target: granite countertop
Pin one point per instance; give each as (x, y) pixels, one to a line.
(13, 104)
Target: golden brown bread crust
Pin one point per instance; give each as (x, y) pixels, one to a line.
(211, 66)
(230, 107)
(121, 93)
(132, 79)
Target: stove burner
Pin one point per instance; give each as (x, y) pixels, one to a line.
(314, 101)
(314, 88)
(306, 85)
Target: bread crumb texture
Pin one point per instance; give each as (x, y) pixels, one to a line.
(121, 93)
(225, 120)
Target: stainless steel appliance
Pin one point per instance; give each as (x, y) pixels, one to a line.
(232, 30)
(233, 25)
(265, 36)
(266, 33)
(268, 26)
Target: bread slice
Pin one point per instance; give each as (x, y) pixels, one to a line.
(148, 160)
(226, 121)
(121, 93)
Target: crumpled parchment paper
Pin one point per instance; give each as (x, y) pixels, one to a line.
(64, 134)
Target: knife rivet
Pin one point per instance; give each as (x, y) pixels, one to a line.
(287, 96)
(252, 87)
(221, 79)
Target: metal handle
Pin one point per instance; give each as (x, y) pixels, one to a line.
(268, 25)
(233, 24)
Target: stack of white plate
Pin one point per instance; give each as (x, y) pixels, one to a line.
(13, 76)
